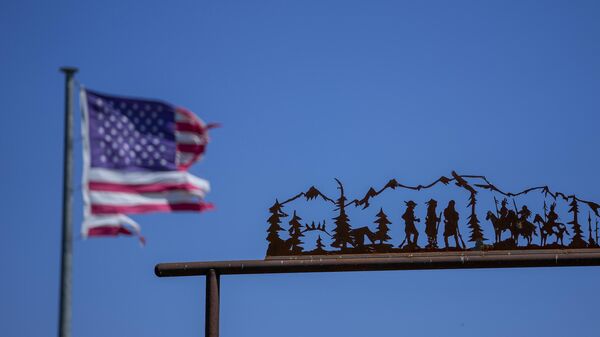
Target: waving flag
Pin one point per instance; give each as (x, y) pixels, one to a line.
(136, 155)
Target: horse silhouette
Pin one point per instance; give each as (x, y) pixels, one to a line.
(547, 229)
(512, 223)
(525, 229)
(499, 225)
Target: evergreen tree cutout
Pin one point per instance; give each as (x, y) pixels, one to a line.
(591, 241)
(596, 233)
(382, 222)
(474, 226)
(276, 245)
(295, 231)
(577, 241)
(341, 233)
(320, 246)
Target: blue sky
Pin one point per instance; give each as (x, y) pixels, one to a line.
(306, 92)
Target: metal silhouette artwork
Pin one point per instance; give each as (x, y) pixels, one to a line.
(514, 224)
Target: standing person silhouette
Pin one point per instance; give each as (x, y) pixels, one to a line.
(451, 223)
(432, 221)
(409, 223)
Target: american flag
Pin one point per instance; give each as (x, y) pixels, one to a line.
(136, 155)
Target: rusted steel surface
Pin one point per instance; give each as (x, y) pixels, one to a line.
(509, 223)
(374, 262)
(211, 325)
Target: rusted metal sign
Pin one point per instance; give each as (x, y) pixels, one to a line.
(507, 223)
(521, 229)
(523, 235)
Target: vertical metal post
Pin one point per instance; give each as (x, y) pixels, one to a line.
(64, 325)
(211, 322)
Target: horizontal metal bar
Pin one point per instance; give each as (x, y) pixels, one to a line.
(373, 262)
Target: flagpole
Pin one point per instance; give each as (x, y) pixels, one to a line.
(64, 324)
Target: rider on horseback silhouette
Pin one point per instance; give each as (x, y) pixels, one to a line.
(524, 213)
(550, 226)
(503, 213)
(552, 217)
(525, 228)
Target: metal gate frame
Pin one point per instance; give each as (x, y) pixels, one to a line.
(372, 262)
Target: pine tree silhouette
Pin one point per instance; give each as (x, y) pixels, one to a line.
(591, 241)
(577, 241)
(382, 228)
(295, 234)
(596, 232)
(320, 245)
(276, 244)
(341, 233)
(476, 231)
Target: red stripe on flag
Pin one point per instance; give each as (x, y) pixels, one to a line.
(143, 188)
(112, 231)
(108, 231)
(188, 127)
(147, 208)
(191, 148)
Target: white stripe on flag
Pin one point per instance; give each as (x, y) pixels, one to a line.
(113, 220)
(144, 178)
(129, 199)
(189, 138)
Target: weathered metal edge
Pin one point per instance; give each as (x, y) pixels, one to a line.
(395, 261)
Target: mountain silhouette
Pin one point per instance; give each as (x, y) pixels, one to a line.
(311, 194)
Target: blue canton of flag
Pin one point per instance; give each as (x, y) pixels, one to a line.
(130, 135)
